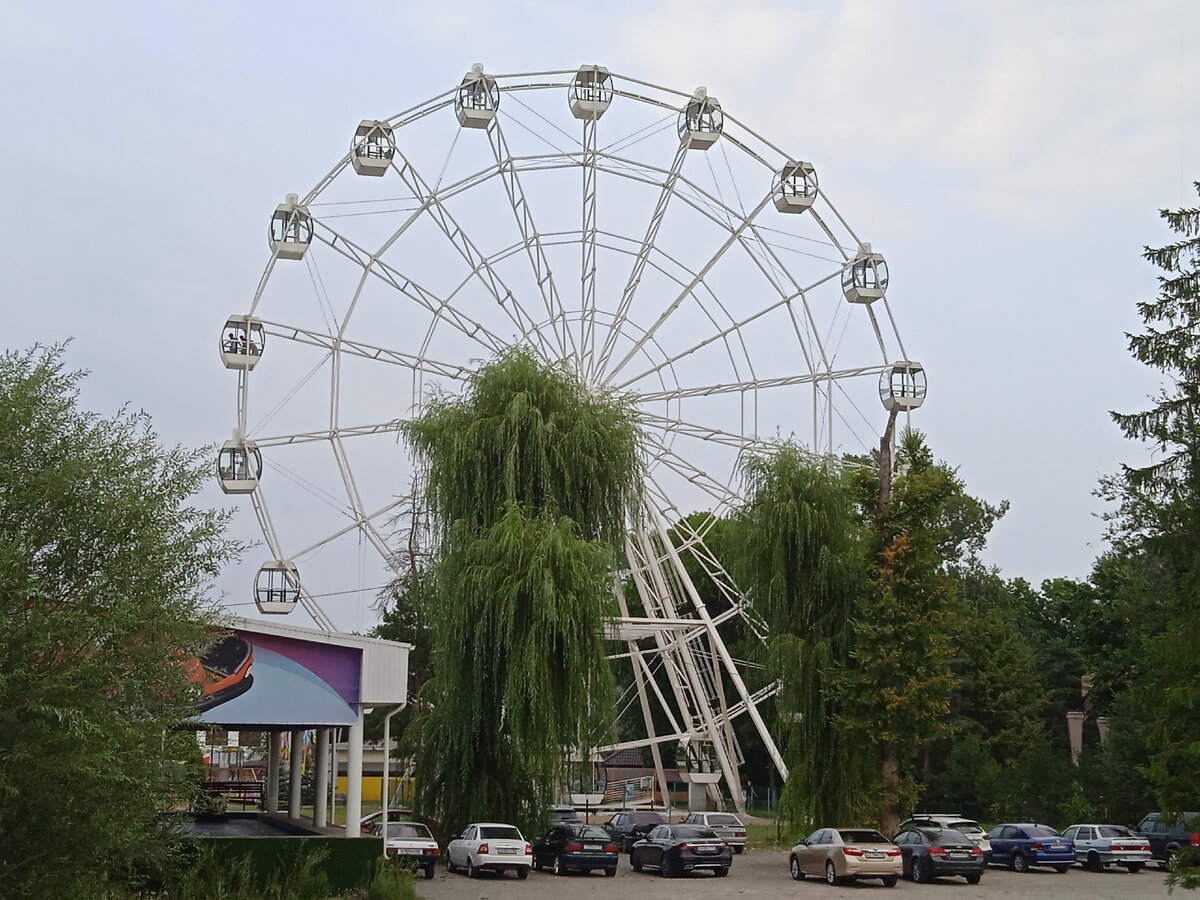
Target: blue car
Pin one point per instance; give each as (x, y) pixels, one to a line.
(1024, 844)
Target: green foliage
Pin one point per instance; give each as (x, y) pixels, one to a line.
(103, 566)
(529, 479)
(393, 880)
(800, 561)
(216, 874)
(1159, 512)
(905, 623)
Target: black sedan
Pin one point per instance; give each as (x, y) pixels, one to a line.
(930, 852)
(575, 847)
(678, 849)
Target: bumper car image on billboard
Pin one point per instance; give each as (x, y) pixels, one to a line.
(222, 671)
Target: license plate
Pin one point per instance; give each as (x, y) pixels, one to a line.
(873, 854)
(706, 850)
(1057, 846)
(508, 851)
(959, 854)
(592, 847)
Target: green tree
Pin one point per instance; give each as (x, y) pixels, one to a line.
(800, 562)
(1159, 511)
(103, 565)
(529, 478)
(898, 687)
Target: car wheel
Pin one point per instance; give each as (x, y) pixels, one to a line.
(523, 872)
(794, 868)
(666, 868)
(610, 873)
(429, 871)
(1020, 863)
(1134, 868)
(634, 862)
(890, 880)
(721, 872)
(1061, 869)
(450, 866)
(472, 869)
(831, 876)
(537, 863)
(1093, 862)
(973, 878)
(920, 871)
(559, 868)
(738, 848)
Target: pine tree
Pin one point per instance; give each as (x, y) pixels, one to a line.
(1159, 513)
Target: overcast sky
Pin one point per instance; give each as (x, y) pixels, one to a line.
(1010, 158)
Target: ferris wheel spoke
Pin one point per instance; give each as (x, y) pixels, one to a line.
(360, 520)
(533, 245)
(643, 254)
(441, 309)
(589, 227)
(707, 433)
(665, 456)
(467, 249)
(741, 387)
(324, 434)
(417, 363)
(687, 291)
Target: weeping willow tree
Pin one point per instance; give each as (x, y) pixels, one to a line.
(800, 559)
(527, 478)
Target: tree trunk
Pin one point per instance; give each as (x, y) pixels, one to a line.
(889, 815)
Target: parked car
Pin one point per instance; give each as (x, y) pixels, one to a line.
(842, 855)
(410, 840)
(728, 827)
(1024, 844)
(575, 847)
(1097, 846)
(930, 852)
(562, 813)
(1165, 838)
(972, 829)
(490, 847)
(369, 821)
(626, 827)
(678, 849)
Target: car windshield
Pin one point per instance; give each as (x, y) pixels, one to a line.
(862, 836)
(690, 832)
(1038, 831)
(966, 827)
(723, 819)
(1114, 831)
(648, 818)
(590, 832)
(500, 831)
(408, 830)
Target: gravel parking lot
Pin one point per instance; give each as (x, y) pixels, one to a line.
(763, 873)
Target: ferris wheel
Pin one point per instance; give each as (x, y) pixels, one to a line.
(645, 236)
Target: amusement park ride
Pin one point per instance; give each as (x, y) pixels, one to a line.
(643, 235)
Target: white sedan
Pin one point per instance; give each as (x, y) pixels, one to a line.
(490, 846)
(1097, 846)
(410, 840)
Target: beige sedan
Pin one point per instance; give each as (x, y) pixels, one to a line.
(841, 855)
